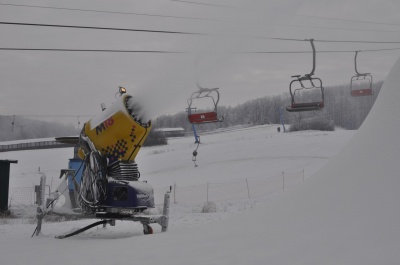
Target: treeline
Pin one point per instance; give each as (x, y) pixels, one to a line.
(23, 128)
(340, 109)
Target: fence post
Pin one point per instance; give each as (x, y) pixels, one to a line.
(283, 181)
(207, 191)
(175, 192)
(248, 190)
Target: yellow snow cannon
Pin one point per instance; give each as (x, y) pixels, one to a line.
(119, 131)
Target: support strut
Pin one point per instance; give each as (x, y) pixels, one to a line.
(102, 222)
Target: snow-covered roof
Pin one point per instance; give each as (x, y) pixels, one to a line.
(170, 129)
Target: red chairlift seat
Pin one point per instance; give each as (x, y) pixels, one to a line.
(204, 117)
(208, 116)
(361, 92)
(366, 89)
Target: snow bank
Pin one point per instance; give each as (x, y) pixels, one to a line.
(347, 213)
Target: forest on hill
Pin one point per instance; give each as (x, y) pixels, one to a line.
(18, 128)
(340, 110)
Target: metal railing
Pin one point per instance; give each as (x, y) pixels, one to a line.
(34, 146)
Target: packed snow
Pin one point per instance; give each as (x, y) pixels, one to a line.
(345, 212)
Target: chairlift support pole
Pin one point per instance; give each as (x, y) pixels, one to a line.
(355, 63)
(281, 118)
(314, 56)
(196, 137)
(360, 76)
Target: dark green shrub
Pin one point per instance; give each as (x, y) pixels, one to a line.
(155, 138)
(317, 124)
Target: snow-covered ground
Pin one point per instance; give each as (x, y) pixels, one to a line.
(345, 212)
(256, 153)
(244, 153)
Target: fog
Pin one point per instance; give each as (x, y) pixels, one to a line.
(226, 55)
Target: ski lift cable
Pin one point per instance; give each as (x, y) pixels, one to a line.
(350, 20)
(199, 3)
(189, 33)
(51, 116)
(184, 17)
(89, 50)
(334, 28)
(183, 52)
(324, 51)
(99, 28)
(106, 12)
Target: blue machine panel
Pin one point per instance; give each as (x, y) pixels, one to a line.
(77, 165)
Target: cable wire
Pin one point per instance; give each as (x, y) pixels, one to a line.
(316, 27)
(189, 33)
(87, 50)
(351, 20)
(103, 11)
(204, 4)
(172, 52)
(338, 51)
(100, 28)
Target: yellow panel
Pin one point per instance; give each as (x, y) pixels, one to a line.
(118, 136)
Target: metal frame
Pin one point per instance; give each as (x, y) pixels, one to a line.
(307, 106)
(212, 93)
(108, 215)
(360, 76)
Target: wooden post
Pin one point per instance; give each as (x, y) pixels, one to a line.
(207, 192)
(248, 190)
(175, 192)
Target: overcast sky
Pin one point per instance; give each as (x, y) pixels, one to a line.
(42, 83)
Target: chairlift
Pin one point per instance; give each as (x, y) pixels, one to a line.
(202, 117)
(306, 83)
(363, 80)
(208, 116)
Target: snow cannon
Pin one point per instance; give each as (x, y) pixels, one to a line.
(119, 131)
(109, 144)
(109, 188)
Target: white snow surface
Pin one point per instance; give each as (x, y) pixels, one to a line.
(347, 212)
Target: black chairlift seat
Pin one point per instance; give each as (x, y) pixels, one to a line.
(297, 107)
(304, 83)
(298, 85)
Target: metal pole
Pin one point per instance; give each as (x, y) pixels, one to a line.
(207, 192)
(283, 181)
(165, 212)
(175, 192)
(355, 63)
(196, 137)
(314, 55)
(5, 183)
(248, 190)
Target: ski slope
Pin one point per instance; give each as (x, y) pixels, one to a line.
(346, 211)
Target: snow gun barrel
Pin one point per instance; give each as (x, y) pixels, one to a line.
(119, 131)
